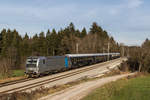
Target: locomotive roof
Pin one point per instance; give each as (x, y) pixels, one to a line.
(75, 55)
(85, 55)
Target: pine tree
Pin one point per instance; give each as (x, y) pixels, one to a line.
(48, 42)
(71, 28)
(95, 29)
(34, 45)
(54, 42)
(5, 43)
(14, 52)
(42, 44)
(83, 33)
(105, 34)
(77, 33)
(48, 33)
(26, 46)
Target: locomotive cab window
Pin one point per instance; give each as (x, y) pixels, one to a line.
(31, 62)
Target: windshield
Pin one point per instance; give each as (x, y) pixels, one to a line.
(31, 62)
(31, 65)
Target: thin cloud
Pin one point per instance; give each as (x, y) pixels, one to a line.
(134, 3)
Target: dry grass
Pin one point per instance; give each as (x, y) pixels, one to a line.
(12, 79)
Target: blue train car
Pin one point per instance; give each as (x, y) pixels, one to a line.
(78, 60)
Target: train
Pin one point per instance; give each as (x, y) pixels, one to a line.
(39, 65)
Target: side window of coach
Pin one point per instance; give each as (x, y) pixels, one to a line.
(43, 61)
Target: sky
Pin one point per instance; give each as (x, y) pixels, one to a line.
(128, 21)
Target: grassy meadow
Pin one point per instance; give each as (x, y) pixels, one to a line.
(125, 89)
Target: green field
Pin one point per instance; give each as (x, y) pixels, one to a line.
(125, 89)
(17, 73)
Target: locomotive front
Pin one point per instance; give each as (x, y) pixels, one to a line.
(32, 66)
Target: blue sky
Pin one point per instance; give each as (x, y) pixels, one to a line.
(128, 21)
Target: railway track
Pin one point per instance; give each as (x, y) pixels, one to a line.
(2, 84)
(15, 82)
(46, 81)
